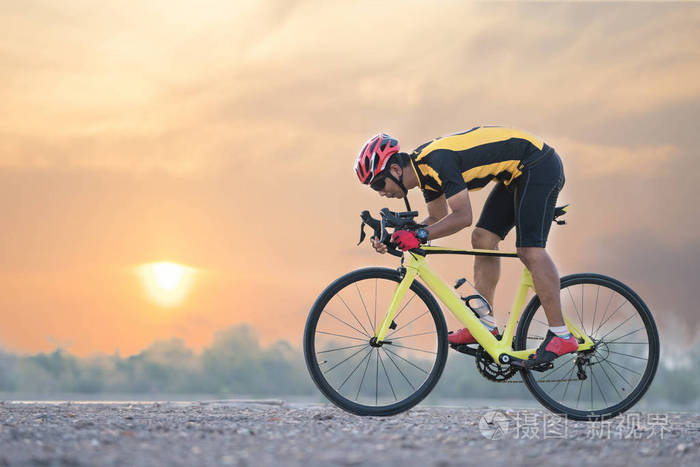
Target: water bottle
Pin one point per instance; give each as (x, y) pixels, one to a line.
(478, 305)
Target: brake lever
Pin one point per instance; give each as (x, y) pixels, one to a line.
(362, 232)
(383, 229)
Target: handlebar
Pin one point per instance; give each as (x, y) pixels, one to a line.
(395, 220)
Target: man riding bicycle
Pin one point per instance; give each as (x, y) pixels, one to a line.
(529, 176)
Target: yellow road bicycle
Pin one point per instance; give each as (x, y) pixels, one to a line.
(375, 340)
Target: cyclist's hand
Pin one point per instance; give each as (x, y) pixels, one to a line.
(405, 240)
(379, 246)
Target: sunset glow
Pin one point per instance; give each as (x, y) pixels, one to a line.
(168, 170)
(167, 284)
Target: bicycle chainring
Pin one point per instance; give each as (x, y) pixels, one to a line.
(490, 369)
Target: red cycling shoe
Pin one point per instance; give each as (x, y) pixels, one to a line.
(463, 336)
(552, 347)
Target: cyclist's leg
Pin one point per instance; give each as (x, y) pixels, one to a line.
(496, 220)
(536, 196)
(487, 270)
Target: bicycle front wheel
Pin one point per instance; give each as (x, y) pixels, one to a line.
(610, 378)
(363, 378)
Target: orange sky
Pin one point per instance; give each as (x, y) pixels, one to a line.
(222, 137)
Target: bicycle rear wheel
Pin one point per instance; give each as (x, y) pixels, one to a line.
(620, 367)
(360, 377)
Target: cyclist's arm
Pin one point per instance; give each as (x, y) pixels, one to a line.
(459, 218)
(437, 209)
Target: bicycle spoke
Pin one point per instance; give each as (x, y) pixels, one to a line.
(387, 375)
(611, 383)
(563, 365)
(612, 294)
(375, 304)
(599, 389)
(355, 369)
(567, 382)
(405, 325)
(376, 379)
(413, 335)
(402, 373)
(541, 322)
(353, 315)
(610, 362)
(591, 380)
(575, 308)
(364, 306)
(363, 378)
(583, 310)
(625, 335)
(407, 361)
(596, 307)
(342, 348)
(611, 315)
(608, 343)
(412, 348)
(340, 335)
(345, 323)
(340, 363)
(628, 355)
(578, 399)
(566, 377)
(404, 307)
(631, 316)
(619, 374)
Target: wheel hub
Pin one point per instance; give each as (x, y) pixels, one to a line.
(374, 343)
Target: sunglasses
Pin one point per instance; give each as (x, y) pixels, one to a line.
(378, 183)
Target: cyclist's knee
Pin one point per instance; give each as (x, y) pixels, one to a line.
(484, 240)
(531, 255)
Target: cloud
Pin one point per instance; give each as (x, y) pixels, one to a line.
(590, 160)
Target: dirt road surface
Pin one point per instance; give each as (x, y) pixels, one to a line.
(277, 433)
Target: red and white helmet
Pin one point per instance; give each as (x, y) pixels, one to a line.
(374, 156)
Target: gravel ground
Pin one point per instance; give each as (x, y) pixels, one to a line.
(278, 433)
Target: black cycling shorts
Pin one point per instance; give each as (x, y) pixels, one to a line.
(527, 203)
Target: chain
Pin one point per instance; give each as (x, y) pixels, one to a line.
(541, 381)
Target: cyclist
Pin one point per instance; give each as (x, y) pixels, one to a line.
(528, 175)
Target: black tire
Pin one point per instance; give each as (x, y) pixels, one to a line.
(427, 306)
(642, 348)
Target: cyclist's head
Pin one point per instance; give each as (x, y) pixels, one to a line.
(374, 157)
(375, 162)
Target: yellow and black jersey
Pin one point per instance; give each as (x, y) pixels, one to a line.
(449, 164)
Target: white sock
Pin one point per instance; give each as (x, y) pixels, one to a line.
(488, 321)
(561, 331)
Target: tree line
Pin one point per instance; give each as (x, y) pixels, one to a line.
(236, 364)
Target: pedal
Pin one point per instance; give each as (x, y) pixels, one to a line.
(543, 367)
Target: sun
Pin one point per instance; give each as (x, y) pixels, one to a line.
(166, 284)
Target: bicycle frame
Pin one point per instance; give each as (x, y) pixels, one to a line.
(417, 266)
